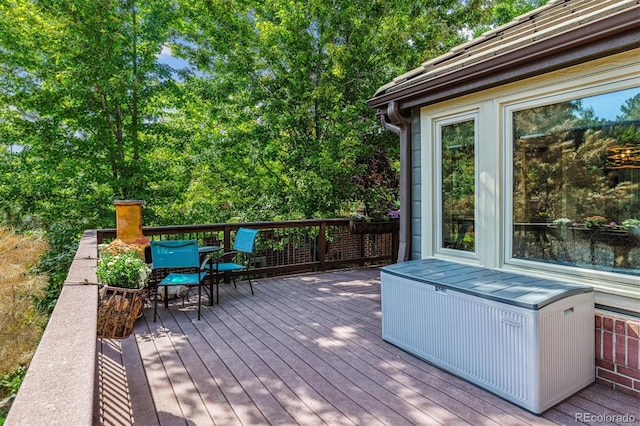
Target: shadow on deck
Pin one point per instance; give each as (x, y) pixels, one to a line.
(307, 350)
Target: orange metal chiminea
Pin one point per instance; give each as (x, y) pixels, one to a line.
(129, 222)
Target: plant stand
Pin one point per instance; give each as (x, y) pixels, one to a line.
(118, 310)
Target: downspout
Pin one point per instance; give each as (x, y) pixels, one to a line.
(401, 126)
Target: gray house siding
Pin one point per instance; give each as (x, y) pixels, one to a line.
(416, 196)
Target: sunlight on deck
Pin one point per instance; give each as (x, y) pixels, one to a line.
(302, 350)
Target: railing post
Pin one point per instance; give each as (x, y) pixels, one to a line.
(322, 245)
(227, 247)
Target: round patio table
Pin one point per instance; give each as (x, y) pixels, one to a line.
(205, 251)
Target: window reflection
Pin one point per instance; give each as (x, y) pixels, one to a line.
(576, 174)
(458, 185)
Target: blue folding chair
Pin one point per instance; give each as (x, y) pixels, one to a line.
(176, 254)
(241, 256)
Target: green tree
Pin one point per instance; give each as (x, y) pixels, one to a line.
(285, 86)
(83, 98)
(503, 11)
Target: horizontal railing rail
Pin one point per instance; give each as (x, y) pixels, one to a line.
(60, 385)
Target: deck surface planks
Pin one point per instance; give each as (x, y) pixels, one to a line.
(307, 350)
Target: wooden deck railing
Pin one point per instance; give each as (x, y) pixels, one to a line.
(60, 385)
(288, 246)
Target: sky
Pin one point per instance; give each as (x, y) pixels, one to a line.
(166, 58)
(608, 105)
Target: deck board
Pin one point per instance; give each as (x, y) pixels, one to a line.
(142, 404)
(305, 350)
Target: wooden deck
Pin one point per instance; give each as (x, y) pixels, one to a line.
(305, 350)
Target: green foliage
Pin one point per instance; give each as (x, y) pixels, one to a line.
(467, 243)
(564, 167)
(631, 108)
(81, 97)
(458, 168)
(9, 385)
(287, 105)
(632, 225)
(267, 120)
(56, 263)
(503, 11)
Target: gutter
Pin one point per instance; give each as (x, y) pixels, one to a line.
(401, 125)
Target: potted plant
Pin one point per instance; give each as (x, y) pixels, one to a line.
(123, 275)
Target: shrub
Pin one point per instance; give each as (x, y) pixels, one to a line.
(21, 322)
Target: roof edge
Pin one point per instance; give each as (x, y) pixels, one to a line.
(602, 38)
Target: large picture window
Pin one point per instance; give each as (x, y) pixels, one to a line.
(576, 182)
(456, 141)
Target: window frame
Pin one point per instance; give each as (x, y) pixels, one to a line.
(614, 281)
(437, 125)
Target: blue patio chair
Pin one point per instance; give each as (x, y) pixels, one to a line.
(240, 260)
(179, 254)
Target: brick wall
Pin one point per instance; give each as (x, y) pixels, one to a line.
(617, 355)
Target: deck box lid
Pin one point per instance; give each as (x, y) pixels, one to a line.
(505, 287)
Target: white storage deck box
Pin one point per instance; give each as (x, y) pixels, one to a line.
(526, 339)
